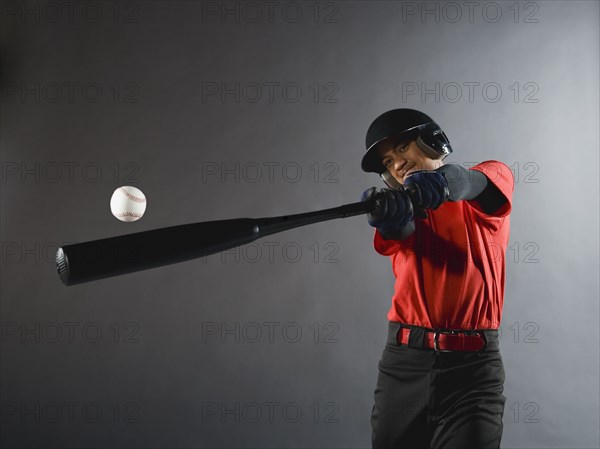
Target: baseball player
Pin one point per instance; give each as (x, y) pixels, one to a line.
(445, 229)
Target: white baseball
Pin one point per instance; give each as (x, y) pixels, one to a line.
(128, 203)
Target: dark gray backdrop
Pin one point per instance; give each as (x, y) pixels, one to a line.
(225, 110)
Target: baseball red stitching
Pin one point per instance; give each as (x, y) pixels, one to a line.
(132, 197)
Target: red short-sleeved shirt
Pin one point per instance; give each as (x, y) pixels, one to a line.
(450, 272)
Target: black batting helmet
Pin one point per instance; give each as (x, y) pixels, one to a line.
(404, 125)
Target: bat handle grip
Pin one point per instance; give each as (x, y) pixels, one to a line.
(370, 204)
(267, 226)
(360, 208)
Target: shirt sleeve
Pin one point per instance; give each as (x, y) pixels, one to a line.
(383, 246)
(500, 175)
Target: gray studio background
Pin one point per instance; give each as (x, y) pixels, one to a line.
(277, 344)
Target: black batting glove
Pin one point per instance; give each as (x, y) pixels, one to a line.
(428, 188)
(393, 209)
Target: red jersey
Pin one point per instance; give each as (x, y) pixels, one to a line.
(450, 272)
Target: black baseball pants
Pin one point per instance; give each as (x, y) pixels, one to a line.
(438, 400)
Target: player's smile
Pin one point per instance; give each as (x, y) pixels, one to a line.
(401, 159)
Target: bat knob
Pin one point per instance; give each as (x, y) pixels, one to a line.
(62, 266)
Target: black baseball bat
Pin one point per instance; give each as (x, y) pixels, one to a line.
(99, 259)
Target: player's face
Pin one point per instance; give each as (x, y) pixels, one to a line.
(401, 159)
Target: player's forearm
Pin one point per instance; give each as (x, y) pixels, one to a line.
(466, 184)
(463, 184)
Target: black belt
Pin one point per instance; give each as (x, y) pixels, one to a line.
(443, 340)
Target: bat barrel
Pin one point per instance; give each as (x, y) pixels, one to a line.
(99, 259)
